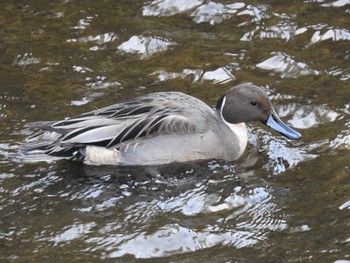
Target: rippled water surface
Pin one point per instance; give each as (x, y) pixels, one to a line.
(284, 201)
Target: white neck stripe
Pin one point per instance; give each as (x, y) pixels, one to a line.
(222, 107)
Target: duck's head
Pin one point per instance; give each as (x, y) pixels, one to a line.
(245, 103)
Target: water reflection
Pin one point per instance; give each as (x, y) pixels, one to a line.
(258, 12)
(118, 213)
(345, 205)
(145, 46)
(286, 66)
(96, 87)
(337, 3)
(220, 75)
(169, 7)
(332, 34)
(283, 30)
(248, 211)
(283, 156)
(26, 59)
(205, 12)
(100, 40)
(70, 233)
(307, 116)
(214, 13)
(176, 238)
(342, 74)
(284, 201)
(82, 69)
(83, 23)
(342, 141)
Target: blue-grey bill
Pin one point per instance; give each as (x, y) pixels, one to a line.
(275, 123)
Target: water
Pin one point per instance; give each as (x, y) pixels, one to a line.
(285, 201)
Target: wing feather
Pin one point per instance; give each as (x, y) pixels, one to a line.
(136, 119)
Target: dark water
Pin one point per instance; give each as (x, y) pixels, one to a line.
(285, 201)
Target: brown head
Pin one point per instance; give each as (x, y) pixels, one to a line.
(245, 103)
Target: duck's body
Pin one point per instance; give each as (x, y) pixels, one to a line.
(157, 128)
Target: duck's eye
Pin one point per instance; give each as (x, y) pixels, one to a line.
(253, 102)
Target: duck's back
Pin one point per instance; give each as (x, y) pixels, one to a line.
(159, 126)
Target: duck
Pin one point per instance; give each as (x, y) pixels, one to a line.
(159, 128)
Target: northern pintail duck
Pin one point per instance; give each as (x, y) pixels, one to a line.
(159, 128)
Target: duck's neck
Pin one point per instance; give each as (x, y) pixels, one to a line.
(238, 135)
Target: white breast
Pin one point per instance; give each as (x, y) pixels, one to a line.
(240, 131)
(239, 135)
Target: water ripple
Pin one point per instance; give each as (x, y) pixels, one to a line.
(337, 3)
(218, 76)
(308, 116)
(197, 213)
(283, 156)
(286, 66)
(145, 46)
(342, 141)
(101, 40)
(73, 232)
(330, 34)
(249, 215)
(283, 201)
(345, 205)
(84, 23)
(214, 13)
(175, 239)
(26, 59)
(169, 7)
